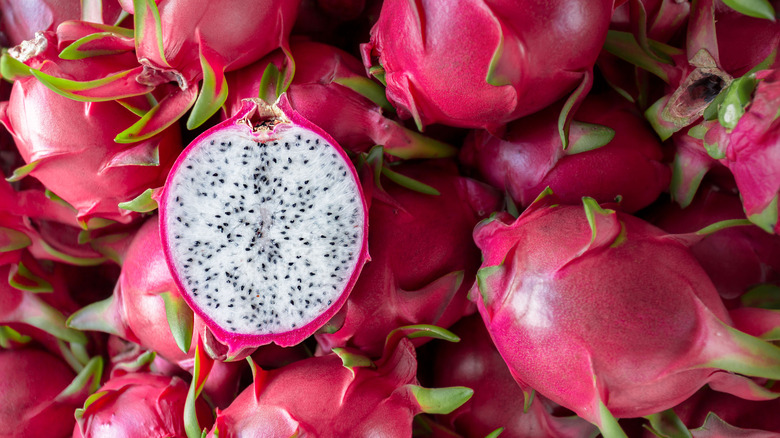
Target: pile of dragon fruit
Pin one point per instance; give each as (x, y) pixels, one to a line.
(398, 218)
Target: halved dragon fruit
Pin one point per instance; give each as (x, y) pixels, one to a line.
(264, 227)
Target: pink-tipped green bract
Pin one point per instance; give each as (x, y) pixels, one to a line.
(607, 315)
(264, 227)
(485, 63)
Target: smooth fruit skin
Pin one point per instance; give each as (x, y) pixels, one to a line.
(597, 309)
(138, 404)
(530, 157)
(31, 381)
(498, 401)
(423, 259)
(483, 64)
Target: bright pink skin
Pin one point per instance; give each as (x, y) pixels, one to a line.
(31, 381)
(530, 157)
(222, 29)
(475, 363)
(238, 342)
(139, 404)
(79, 160)
(353, 120)
(753, 148)
(423, 259)
(21, 19)
(437, 61)
(322, 397)
(47, 225)
(625, 316)
(736, 259)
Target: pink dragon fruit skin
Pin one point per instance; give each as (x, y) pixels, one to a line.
(32, 380)
(753, 151)
(190, 28)
(20, 20)
(754, 416)
(138, 404)
(530, 157)
(76, 154)
(422, 257)
(497, 402)
(736, 259)
(329, 396)
(321, 92)
(487, 64)
(620, 318)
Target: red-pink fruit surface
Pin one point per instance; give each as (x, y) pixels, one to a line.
(423, 259)
(530, 157)
(76, 155)
(736, 259)
(602, 312)
(322, 396)
(231, 34)
(138, 404)
(498, 401)
(330, 89)
(483, 64)
(32, 380)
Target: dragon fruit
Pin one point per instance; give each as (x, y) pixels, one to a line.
(185, 43)
(266, 266)
(423, 259)
(613, 154)
(146, 308)
(40, 393)
(340, 394)
(744, 416)
(619, 317)
(137, 404)
(20, 20)
(330, 90)
(76, 156)
(497, 402)
(487, 64)
(736, 259)
(750, 148)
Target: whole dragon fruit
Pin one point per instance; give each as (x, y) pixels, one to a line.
(423, 259)
(487, 63)
(138, 404)
(498, 402)
(40, 393)
(264, 227)
(76, 156)
(330, 90)
(607, 315)
(340, 394)
(613, 154)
